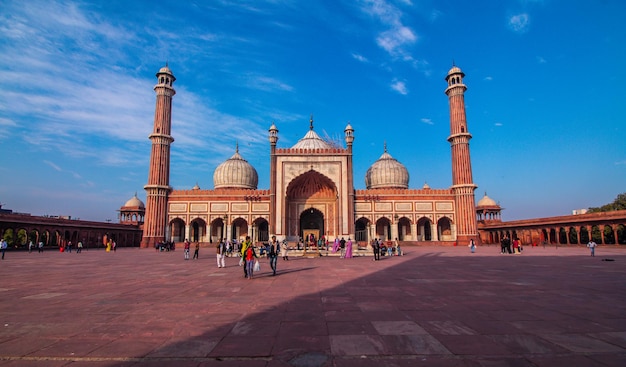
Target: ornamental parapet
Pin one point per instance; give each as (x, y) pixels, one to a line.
(320, 151)
(363, 194)
(230, 192)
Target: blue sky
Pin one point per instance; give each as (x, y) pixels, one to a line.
(544, 101)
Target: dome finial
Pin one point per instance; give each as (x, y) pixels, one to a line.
(385, 146)
(311, 122)
(237, 146)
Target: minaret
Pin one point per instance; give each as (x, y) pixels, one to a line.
(349, 136)
(462, 183)
(158, 189)
(273, 137)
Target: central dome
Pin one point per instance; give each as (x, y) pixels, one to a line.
(235, 172)
(387, 172)
(311, 140)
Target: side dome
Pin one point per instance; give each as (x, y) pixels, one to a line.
(486, 202)
(235, 172)
(134, 202)
(387, 172)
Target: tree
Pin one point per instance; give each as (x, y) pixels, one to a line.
(618, 204)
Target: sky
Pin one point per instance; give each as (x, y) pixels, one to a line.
(546, 93)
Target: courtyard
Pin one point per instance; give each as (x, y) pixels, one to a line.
(435, 306)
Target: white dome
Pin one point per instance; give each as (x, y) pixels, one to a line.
(387, 172)
(235, 172)
(486, 201)
(311, 140)
(134, 202)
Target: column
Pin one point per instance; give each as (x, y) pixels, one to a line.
(414, 231)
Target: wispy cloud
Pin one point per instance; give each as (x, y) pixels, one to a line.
(268, 84)
(360, 58)
(541, 60)
(619, 163)
(427, 121)
(488, 78)
(398, 37)
(399, 86)
(54, 166)
(519, 23)
(498, 124)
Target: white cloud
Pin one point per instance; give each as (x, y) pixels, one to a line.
(54, 166)
(541, 60)
(268, 84)
(360, 58)
(488, 78)
(427, 121)
(498, 124)
(398, 37)
(519, 23)
(399, 86)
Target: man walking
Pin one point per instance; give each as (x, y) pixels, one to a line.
(221, 253)
(592, 246)
(273, 254)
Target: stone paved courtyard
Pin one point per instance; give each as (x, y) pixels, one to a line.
(433, 307)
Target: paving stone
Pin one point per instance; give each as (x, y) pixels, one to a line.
(436, 306)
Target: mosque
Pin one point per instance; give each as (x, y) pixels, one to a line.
(311, 190)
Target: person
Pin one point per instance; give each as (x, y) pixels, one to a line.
(250, 257)
(472, 246)
(284, 247)
(196, 250)
(3, 247)
(79, 247)
(114, 246)
(69, 247)
(336, 245)
(221, 254)
(40, 247)
(244, 248)
(389, 250)
(592, 246)
(108, 246)
(186, 249)
(376, 248)
(348, 249)
(515, 245)
(273, 254)
(30, 246)
(229, 248)
(398, 249)
(342, 247)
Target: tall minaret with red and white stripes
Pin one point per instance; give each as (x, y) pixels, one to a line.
(158, 188)
(462, 183)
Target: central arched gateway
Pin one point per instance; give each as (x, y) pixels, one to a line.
(312, 223)
(311, 206)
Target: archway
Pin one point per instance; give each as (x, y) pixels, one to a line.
(311, 191)
(239, 229)
(423, 229)
(361, 226)
(218, 230)
(383, 229)
(404, 229)
(311, 223)
(198, 230)
(260, 230)
(177, 230)
(444, 229)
